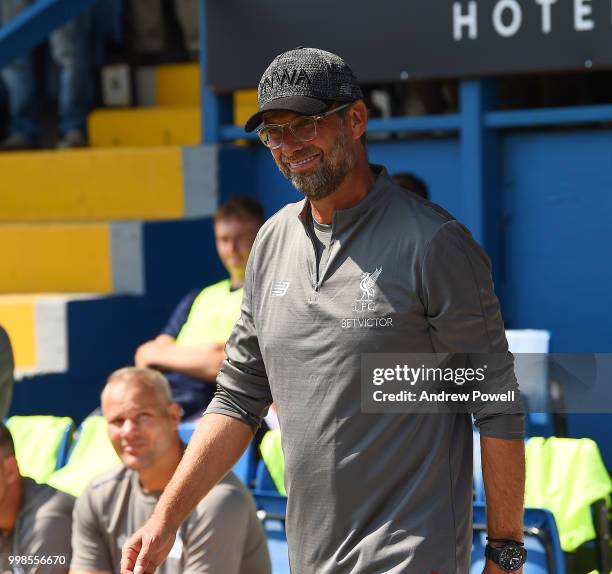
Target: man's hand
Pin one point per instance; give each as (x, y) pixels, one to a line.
(147, 548)
(145, 354)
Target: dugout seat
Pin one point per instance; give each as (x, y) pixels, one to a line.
(568, 478)
(544, 554)
(41, 444)
(244, 469)
(270, 499)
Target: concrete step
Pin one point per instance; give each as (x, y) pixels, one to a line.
(108, 184)
(37, 327)
(144, 127)
(91, 332)
(245, 105)
(177, 85)
(72, 257)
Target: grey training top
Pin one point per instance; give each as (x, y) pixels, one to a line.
(42, 529)
(367, 492)
(321, 236)
(222, 535)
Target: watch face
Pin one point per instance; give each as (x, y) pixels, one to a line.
(511, 558)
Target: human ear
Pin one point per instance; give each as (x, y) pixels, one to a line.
(358, 119)
(174, 412)
(11, 469)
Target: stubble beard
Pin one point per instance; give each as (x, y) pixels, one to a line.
(323, 180)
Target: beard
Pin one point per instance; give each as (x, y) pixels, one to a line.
(326, 178)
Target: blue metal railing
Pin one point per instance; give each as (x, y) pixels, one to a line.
(33, 26)
(549, 116)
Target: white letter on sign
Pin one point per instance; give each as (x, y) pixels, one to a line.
(581, 11)
(517, 18)
(546, 14)
(469, 20)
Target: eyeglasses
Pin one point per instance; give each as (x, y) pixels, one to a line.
(304, 128)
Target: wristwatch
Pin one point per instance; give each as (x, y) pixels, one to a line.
(510, 555)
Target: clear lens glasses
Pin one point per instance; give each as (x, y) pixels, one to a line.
(304, 128)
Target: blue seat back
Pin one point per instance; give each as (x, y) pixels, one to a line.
(544, 554)
(277, 545)
(246, 465)
(263, 479)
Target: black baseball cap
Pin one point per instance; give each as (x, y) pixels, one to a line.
(306, 81)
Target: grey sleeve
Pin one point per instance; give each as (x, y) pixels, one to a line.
(89, 546)
(215, 541)
(50, 535)
(243, 391)
(6, 373)
(464, 317)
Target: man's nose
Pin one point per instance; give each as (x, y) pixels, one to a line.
(290, 143)
(128, 427)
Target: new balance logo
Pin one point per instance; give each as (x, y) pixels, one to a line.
(279, 289)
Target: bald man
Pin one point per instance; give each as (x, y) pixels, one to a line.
(221, 536)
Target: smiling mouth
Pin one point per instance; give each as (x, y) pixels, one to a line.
(302, 162)
(131, 448)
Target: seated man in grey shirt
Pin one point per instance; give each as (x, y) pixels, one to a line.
(35, 519)
(222, 535)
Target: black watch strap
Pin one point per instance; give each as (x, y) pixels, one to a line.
(506, 541)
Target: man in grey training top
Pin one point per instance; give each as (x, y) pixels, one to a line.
(359, 266)
(35, 519)
(221, 535)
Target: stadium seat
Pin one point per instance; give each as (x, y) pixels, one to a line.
(274, 468)
(545, 487)
(263, 479)
(544, 554)
(272, 510)
(270, 500)
(41, 444)
(528, 347)
(186, 429)
(272, 506)
(91, 455)
(277, 545)
(244, 469)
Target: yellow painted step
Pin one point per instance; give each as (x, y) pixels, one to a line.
(177, 85)
(68, 258)
(145, 127)
(18, 317)
(37, 327)
(108, 184)
(245, 105)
